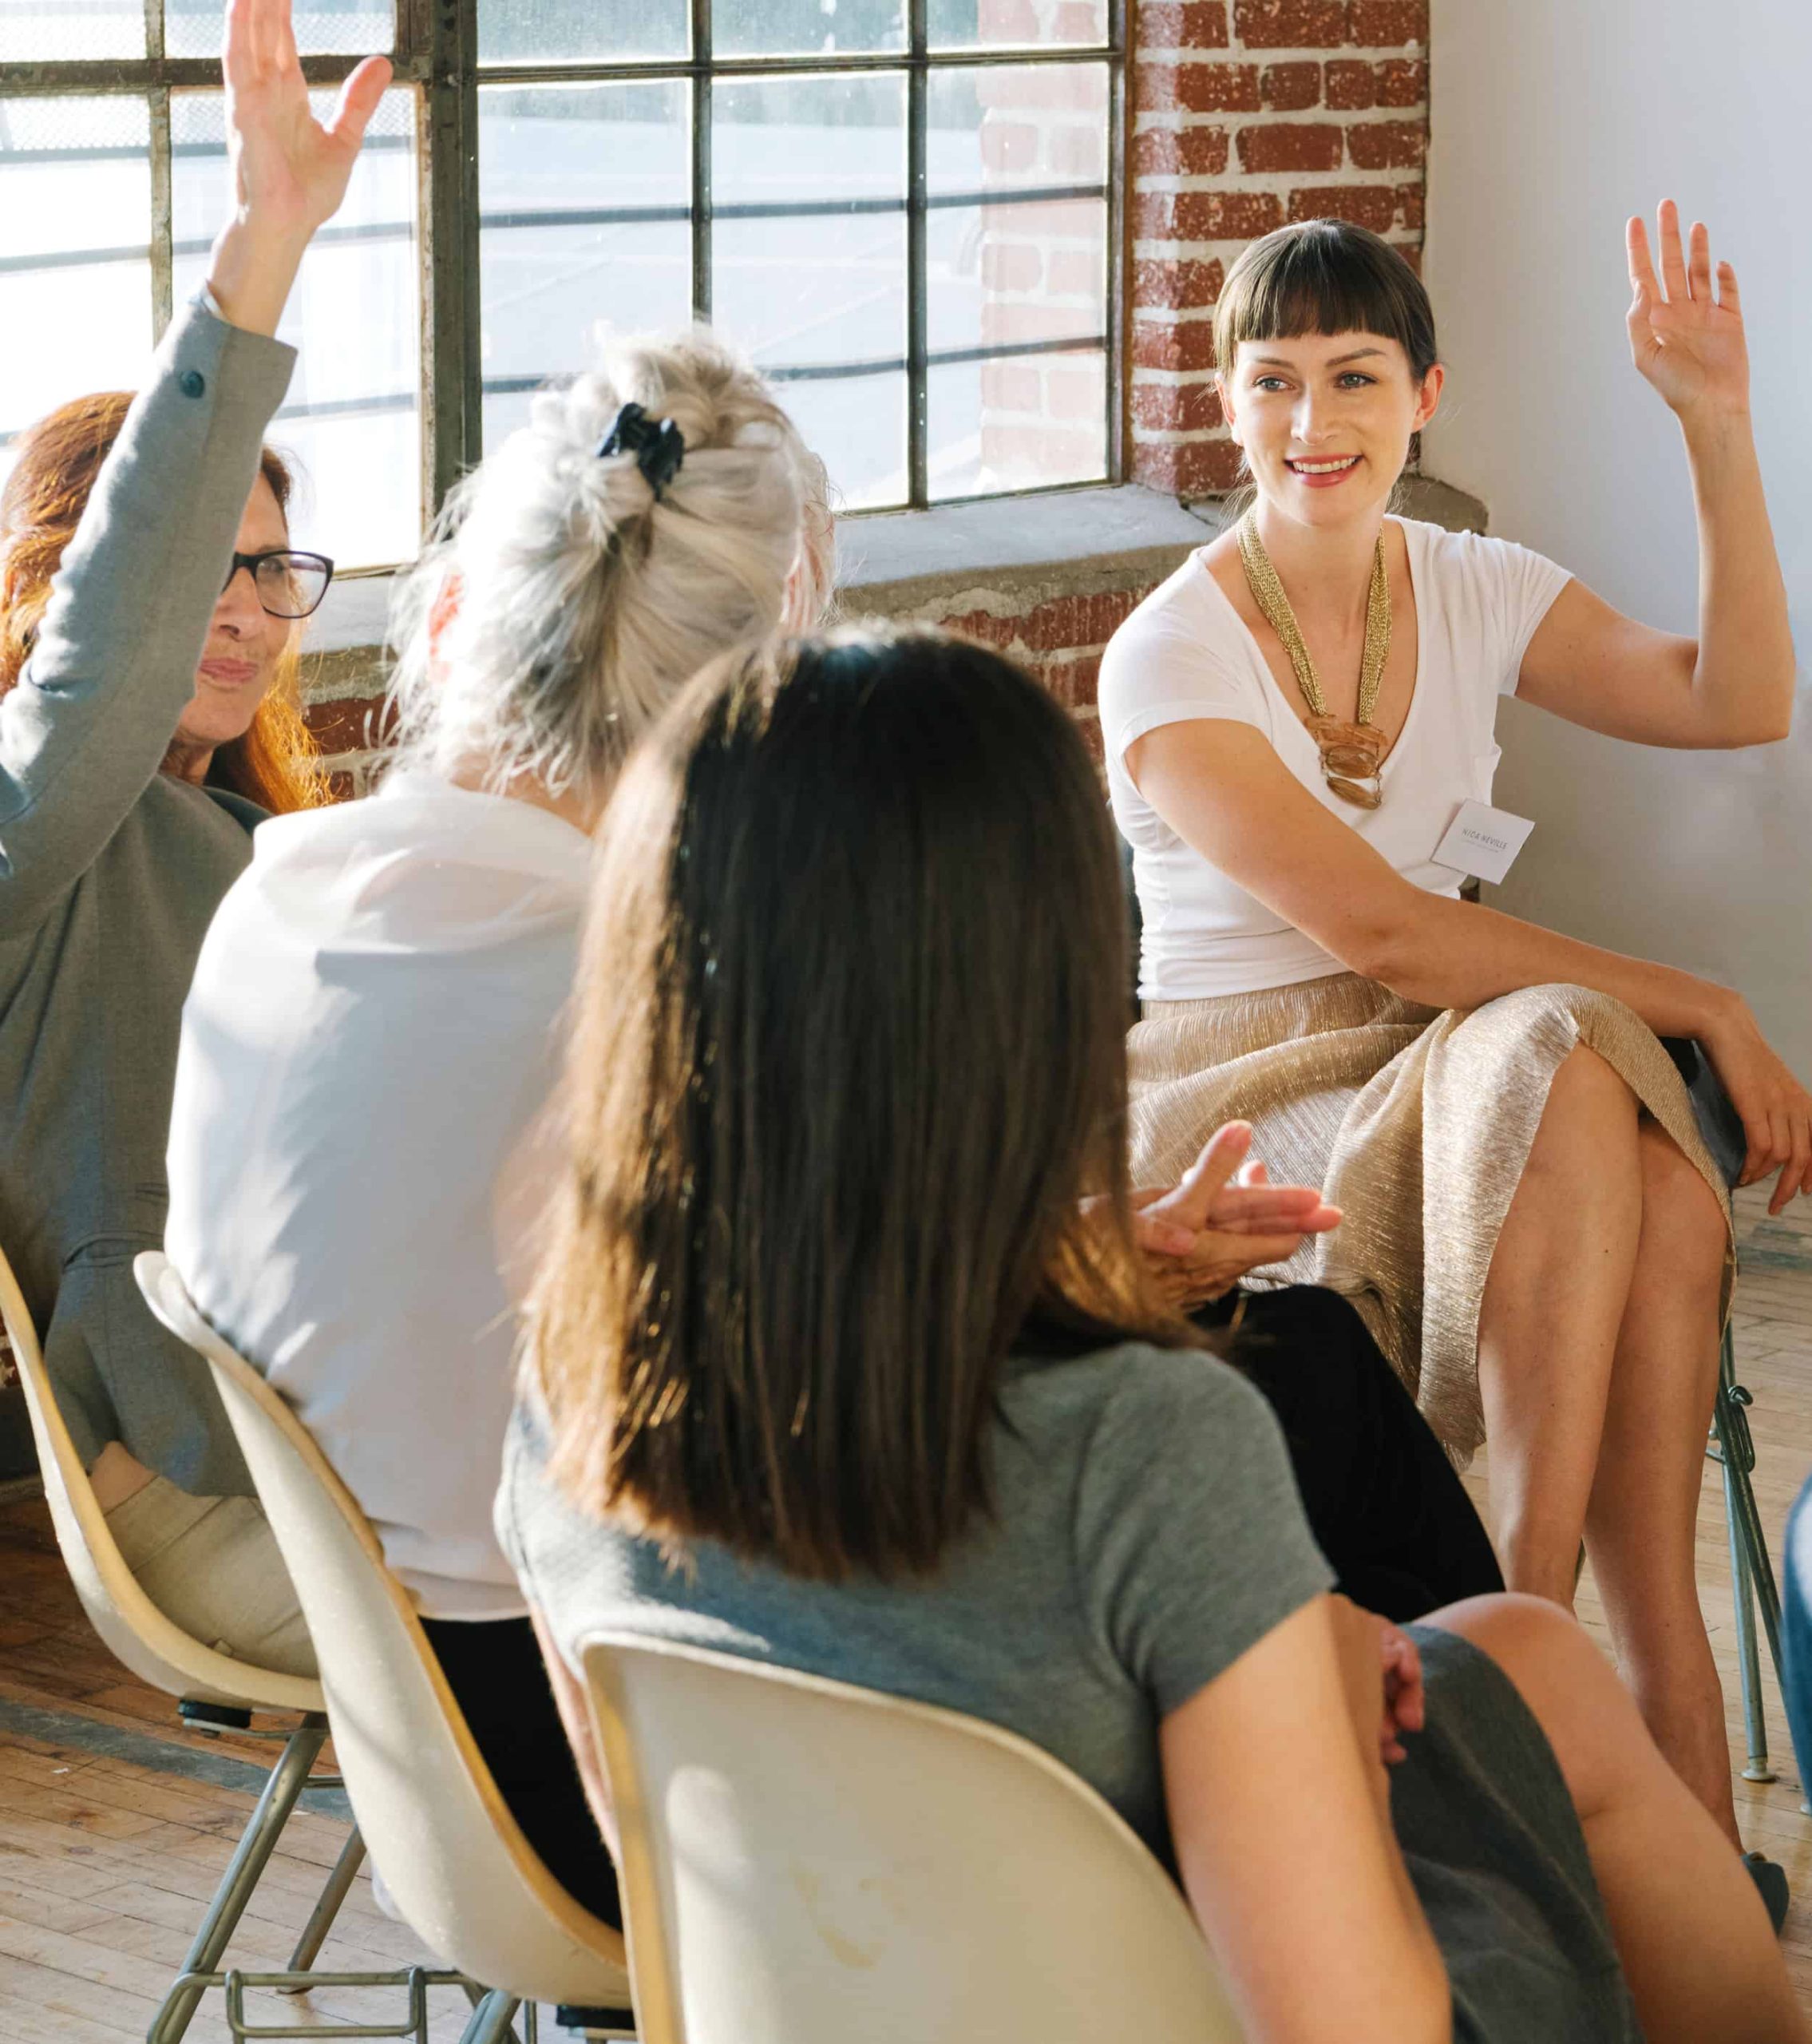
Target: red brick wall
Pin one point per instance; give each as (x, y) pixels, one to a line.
(1061, 638)
(1248, 114)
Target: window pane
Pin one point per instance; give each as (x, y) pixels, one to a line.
(580, 31)
(1016, 259)
(1025, 422)
(808, 259)
(356, 27)
(55, 31)
(856, 424)
(583, 200)
(352, 414)
(75, 278)
(785, 28)
(988, 24)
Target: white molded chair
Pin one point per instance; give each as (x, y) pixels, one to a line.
(160, 1653)
(460, 1873)
(807, 1863)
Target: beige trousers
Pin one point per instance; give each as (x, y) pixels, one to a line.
(211, 1565)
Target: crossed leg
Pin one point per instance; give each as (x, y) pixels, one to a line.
(1597, 1356)
(1696, 1946)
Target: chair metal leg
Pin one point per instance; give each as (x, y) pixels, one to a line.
(492, 2019)
(478, 1996)
(320, 1921)
(1752, 1571)
(287, 1780)
(1749, 1658)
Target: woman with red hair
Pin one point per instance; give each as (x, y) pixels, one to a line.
(149, 608)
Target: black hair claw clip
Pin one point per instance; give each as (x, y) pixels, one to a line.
(657, 445)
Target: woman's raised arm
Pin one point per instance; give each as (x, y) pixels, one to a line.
(1221, 787)
(1733, 686)
(91, 718)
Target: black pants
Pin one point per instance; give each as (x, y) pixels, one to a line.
(493, 1667)
(1385, 1505)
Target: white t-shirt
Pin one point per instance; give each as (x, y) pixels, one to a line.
(374, 1026)
(1186, 653)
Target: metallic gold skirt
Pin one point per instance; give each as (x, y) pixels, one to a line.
(1417, 1122)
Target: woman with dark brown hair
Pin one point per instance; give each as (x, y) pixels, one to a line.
(829, 1365)
(149, 605)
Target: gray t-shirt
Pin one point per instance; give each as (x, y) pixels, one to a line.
(1148, 1532)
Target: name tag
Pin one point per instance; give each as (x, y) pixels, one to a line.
(1483, 841)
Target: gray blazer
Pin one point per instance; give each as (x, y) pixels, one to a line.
(109, 874)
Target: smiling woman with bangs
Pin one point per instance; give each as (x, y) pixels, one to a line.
(1538, 1230)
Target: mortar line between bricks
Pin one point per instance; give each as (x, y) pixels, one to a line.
(1234, 119)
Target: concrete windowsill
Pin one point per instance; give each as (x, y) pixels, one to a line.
(1104, 538)
(1070, 542)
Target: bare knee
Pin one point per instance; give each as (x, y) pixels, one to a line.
(1585, 1085)
(1680, 1212)
(1589, 1717)
(1589, 1119)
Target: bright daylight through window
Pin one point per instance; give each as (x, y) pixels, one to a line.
(903, 209)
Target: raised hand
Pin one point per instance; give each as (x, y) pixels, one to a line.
(1687, 339)
(290, 171)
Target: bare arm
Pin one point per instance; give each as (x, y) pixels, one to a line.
(1221, 787)
(1279, 1808)
(1733, 686)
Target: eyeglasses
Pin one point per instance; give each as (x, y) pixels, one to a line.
(289, 584)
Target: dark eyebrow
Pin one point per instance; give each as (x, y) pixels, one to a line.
(1277, 361)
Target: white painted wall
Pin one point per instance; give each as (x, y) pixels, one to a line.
(1552, 121)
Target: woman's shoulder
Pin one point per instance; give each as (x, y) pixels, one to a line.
(1468, 556)
(1185, 640)
(1118, 1402)
(1189, 601)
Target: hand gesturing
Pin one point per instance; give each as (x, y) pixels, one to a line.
(1204, 1234)
(1687, 341)
(288, 167)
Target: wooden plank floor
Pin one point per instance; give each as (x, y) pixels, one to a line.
(110, 1841)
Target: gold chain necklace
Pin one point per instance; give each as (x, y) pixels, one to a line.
(1350, 753)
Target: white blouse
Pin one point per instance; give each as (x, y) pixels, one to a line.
(374, 1027)
(1185, 653)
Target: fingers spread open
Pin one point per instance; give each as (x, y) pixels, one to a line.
(1728, 294)
(1641, 265)
(1673, 253)
(267, 33)
(359, 101)
(237, 56)
(1699, 263)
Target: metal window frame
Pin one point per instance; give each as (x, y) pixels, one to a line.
(437, 53)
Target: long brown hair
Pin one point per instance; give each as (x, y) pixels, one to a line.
(276, 762)
(848, 1051)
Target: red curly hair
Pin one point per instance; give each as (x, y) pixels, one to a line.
(276, 762)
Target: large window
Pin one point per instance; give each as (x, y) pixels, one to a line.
(904, 210)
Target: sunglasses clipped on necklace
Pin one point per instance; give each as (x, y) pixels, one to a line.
(289, 583)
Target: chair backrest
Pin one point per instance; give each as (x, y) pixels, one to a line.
(153, 1646)
(806, 1863)
(462, 1875)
